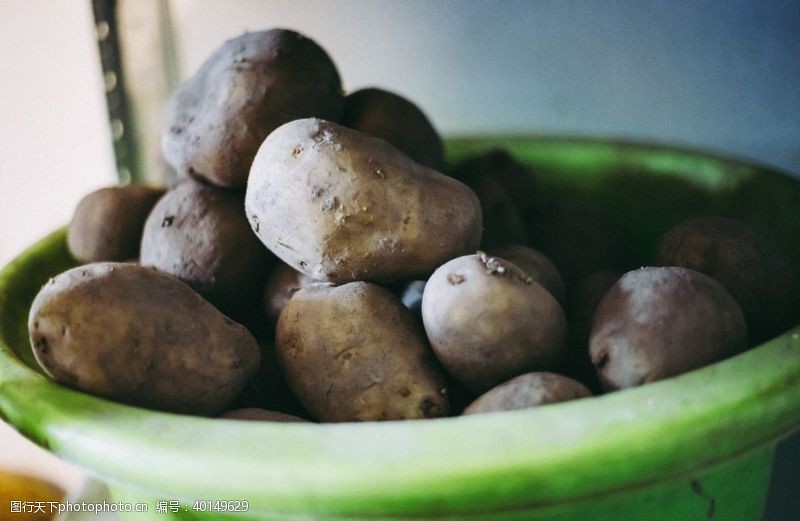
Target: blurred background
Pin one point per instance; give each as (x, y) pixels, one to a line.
(716, 74)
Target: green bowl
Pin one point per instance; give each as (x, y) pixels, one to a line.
(693, 447)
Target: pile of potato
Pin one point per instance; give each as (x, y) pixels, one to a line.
(312, 263)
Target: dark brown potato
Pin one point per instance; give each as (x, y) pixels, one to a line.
(655, 323)
(354, 353)
(250, 86)
(342, 206)
(391, 117)
(200, 235)
(262, 415)
(107, 224)
(528, 390)
(538, 266)
(284, 282)
(138, 336)
(488, 321)
(749, 266)
(503, 224)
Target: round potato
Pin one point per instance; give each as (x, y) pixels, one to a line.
(342, 206)
(749, 266)
(354, 353)
(107, 224)
(138, 336)
(284, 282)
(391, 117)
(200, 235)
(538, 266)
(488, 321)
(247, 88)
(262, 415)
(655, 323)
(528, 390)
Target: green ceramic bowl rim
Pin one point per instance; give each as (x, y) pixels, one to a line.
(484, 463)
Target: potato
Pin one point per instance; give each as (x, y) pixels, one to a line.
(655, 323)
(354, 353)
(107, 224)
(537, 265)
(200, 235)
(528, 390)
(134, 335)
(391, 117)
(749, 266)
(256, 414)
(342, 206)
(282, 284)
(247, 88)
(503, 223)
(488, 321)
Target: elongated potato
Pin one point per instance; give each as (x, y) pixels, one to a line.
(488, 321)
(200, 234)
(137, 336)
(355, 353)
(107, 224)
(528, 390)
(247, 88)
(660, 322)
(342, 206)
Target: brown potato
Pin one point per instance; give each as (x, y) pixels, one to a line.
(249, 87)
(107, 224)
(138, 336)
(528, 390)
(655, 323)
(200, 235)
(391, 117)
(263, 415)
(354, 353)
(538, 266)
(488, 321)
(749, 266)
(341, 206)
(284, 282)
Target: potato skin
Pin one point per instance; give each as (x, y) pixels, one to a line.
(342, 206)
(200, 235)
(488, 321)
(749, 266)
(655, 323)
(134, 335)
(528, 390)
(107, 224)
(256, 414)
(247, 88)
(538, 266)
(284, 282)
(354, 353)
(386, 115)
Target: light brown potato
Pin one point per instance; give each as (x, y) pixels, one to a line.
(355, 353)
(655, 323)
(138, 336)
(538, 266)
(200, 234)
(528, 390)
(247, 88)
(391, 117)
(488, 321)
(107, 224)
(262, 415)
(750, 267)
(284, 282)
(342, 206)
